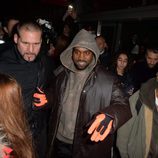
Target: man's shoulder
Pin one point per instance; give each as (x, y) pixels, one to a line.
(6, 49)
(105, 74)
(100, 69)
(59, 70)
(140, 64)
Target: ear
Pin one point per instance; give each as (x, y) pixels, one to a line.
(15, 38)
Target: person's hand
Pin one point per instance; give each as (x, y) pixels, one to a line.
(101, 127)
(39, 98)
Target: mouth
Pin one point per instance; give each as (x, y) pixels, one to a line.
(29, 57)
(81, 62)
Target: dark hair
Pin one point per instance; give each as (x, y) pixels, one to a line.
(152, 47)
(114, 64)
(100, 36)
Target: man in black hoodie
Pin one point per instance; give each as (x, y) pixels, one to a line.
(23, 60)
(88, 104)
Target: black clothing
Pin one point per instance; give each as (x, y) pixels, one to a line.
(141, 73)
(105, 59)
(63, 150)
(29, 75)
(126, 81)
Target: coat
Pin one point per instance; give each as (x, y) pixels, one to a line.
(134, 137)
(101, 93)
(29, 75)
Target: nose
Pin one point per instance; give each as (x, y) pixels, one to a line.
(122, 62)
(81, 56)
(30, 48)
(152, 62)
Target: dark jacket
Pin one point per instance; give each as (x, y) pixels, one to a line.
(146, 73)
(105, 58)
(126, 81)
(101, 93)
(29, 75)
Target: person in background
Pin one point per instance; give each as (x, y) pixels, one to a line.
(15, 136)
(87, 101)
(144, 70)
(120, 67)
(25, 61)
(9, 25)
(138, 137)
(70, 19)
(9, 28)
(62, 42)
(105, 57)
(1, 34)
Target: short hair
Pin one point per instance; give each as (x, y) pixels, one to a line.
(101, 36)
(28, 25)
(152, 47)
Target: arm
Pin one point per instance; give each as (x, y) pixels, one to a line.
(114, 116)
(119, 107)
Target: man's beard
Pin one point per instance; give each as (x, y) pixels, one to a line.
(29, 56)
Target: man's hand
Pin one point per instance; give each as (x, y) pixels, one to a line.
(101, 127)
(39, 98)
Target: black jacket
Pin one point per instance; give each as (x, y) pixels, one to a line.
(141, 73)
(29, 75)
(101, 93)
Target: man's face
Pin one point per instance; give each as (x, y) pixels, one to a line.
(82, 57)
(151, 58)
(28, 44)
(101, 43)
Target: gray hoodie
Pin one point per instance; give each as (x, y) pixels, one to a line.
(70, 102)
(83, 39)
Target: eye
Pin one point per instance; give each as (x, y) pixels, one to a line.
(87, 52)
(25, 43)
(75, 51)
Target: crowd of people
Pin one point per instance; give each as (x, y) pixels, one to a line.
(73, 98)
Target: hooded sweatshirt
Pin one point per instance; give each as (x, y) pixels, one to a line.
(76, 81)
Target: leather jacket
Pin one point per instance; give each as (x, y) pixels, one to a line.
(101, 93)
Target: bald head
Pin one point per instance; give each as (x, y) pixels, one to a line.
(101, 42)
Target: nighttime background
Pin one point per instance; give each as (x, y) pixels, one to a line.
(53, 10)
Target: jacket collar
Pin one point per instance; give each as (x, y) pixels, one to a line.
(147, 93)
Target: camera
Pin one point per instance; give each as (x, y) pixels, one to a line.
(49, 33)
